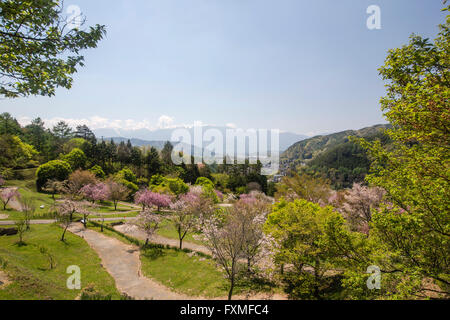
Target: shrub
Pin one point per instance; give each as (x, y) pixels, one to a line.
(53, 170)
(76, 158)
(98, 172)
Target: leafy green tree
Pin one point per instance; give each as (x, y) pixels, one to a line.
(204, 182)
(36, 134)
(39, 52)
(298, 230)
(166, 154)
(85, 133)
(15, 153)
(153, 162)
(414, 171)
(62, 131)
(127, 178)
(98, 172)
(9, 125)
(53, 170)
(76, 158)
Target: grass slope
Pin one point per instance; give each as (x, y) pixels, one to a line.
(29, 269)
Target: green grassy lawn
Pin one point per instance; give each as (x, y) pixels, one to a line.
(168, 230)
(192, 275)
(39, 214)
(28, 188)
(29, 269)
(183, 272)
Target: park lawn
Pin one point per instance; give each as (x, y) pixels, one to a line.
(177, 269)
(185, 273)
(168, 230)
(39, 215)
(29, 269)
(28, 188)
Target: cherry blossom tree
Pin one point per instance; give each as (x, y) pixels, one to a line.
(117, 192)
(95, 192)
(7, 195)
(53, 187)
(149, 223)
(185, 217)
(219, 195)
(251, 213)
(226, 241)
(64, 214)
(148, 199)
(359, 202)
(28, 206)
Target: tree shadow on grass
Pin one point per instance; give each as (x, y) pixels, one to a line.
(153, 253)
(21, 244)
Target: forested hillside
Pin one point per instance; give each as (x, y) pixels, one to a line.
(334, 156)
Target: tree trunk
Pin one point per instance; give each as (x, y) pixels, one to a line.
(64, 233)
(230, 293)
(115, 205)
(146, 242)
(84, 222)
(181, 243)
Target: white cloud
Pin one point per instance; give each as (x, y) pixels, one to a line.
(165, 122)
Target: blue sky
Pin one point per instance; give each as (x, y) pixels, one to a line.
(301, 66)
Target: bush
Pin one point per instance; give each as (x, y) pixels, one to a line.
(90, 293)
(53, 170)
(76, 158)
(205, 182)
(98, 172)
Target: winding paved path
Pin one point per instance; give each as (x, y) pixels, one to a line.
(123, 263)
(162, 240)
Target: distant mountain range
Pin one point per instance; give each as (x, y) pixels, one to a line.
(157, 138)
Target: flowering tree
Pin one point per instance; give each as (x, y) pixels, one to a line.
(359, 202)
(251, 213)
(148, 199)
(7, 195)
(225, 239)
(64, 214)
(116, 192)
(95, 192)
(53, 187)
(149, 223)
(185, 218)
(219, 195)
(28, 206)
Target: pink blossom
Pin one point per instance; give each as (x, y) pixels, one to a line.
(7, 195)
(148, 199)
(219, 194)
(95, 192)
